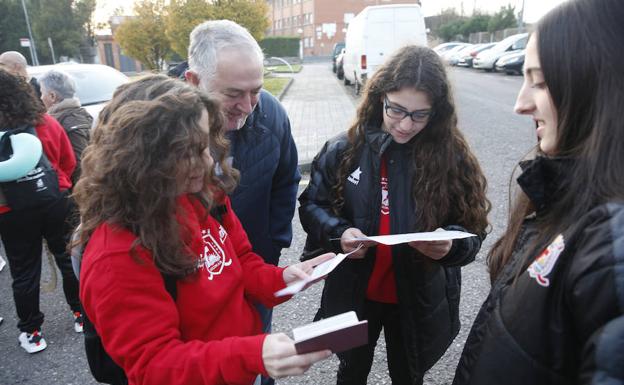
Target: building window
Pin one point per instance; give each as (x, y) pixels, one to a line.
(108, 53)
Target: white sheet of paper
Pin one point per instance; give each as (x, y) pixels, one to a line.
(425, 236)
(319, 271)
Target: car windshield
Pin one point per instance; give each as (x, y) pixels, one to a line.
(503, 45)
(96, 85)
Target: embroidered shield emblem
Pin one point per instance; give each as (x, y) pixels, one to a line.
(213, 257)
(545, 262)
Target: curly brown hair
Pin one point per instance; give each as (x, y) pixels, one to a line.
(131, 172)
(448, 186)
(18, 103)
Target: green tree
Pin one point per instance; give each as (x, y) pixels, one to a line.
(143, 37)
(251, 14)
(12, 28)
(182, 17)
(66, 22)
(477, 23)
(504, 18)
(450, 30)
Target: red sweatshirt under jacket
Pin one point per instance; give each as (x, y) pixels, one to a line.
(58, 150)
(211, 334)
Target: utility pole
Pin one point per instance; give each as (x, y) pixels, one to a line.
(32, 41)
(521, 17)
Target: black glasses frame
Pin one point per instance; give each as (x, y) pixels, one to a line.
(418, 116)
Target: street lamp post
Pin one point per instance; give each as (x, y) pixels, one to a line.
(300, 32)
(35, 59)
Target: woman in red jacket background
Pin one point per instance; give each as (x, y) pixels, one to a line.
(146, 193)
(23, 230)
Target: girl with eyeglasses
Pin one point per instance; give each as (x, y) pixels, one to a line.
(403, 166)
(555, 313)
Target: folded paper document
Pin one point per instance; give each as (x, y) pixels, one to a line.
(410, 237)
(338, 333)
(319, 272)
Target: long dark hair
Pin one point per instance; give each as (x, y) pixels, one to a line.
(18, 103)
(449, 185)
(579, 51)
(130, 174)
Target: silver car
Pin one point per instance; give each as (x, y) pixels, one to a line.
(95, 83)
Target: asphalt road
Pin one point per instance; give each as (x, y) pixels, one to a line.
(498, 137)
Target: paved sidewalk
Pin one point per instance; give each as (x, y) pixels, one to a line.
(319, 108)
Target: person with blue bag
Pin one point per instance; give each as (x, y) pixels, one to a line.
(36, 162)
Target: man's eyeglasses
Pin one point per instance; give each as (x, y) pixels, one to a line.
(418, 116)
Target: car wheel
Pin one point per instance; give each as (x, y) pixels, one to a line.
(334, 68)
(346, 81)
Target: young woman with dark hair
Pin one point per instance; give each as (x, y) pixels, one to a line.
(555, 311)
(402, 167)
(147, 197)
(24, 229)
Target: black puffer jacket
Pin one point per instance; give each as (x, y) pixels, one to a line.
(427, 290)
(550, 326)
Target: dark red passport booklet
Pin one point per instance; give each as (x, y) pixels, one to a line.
(338, 333)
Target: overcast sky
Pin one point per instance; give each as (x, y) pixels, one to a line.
(533, 9)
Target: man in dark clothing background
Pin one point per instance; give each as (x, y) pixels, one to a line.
(225, 60)
(16, 63)
(58, 94)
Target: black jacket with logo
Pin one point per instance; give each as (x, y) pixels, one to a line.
(427, 290)
(550, 325)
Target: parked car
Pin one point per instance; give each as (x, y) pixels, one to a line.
(95, 83)
(442, 48)
(339, 62)
(486, 59)
(338, 47)
(452, 56)
(469, 55)
(511, 63)
(375, 33)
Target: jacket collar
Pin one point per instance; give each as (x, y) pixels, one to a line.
(64, 104)
(379, 140)
(252, 124)
(544, 179)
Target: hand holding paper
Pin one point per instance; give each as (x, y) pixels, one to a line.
(352, 239)
(302, 270)
(318, 273)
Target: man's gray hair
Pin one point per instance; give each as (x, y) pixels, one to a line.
(59, 82)
(212, 37)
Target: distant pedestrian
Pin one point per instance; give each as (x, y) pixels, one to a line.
(23, 229)
(555, 313)
(153, 209)
(225, 60)
(16, 63)
(403, 166)
(58, 93)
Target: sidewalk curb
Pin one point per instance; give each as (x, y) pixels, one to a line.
(281, 94)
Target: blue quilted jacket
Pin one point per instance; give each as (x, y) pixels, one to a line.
(264, 152)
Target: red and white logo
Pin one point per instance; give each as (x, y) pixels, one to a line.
(213, 257)
(385, 202)
(543, 265)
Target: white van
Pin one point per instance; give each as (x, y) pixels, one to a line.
(375, 33)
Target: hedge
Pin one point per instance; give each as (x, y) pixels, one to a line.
(280, 46)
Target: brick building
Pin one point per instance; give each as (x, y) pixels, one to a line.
(319, 23)
(110, 53)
